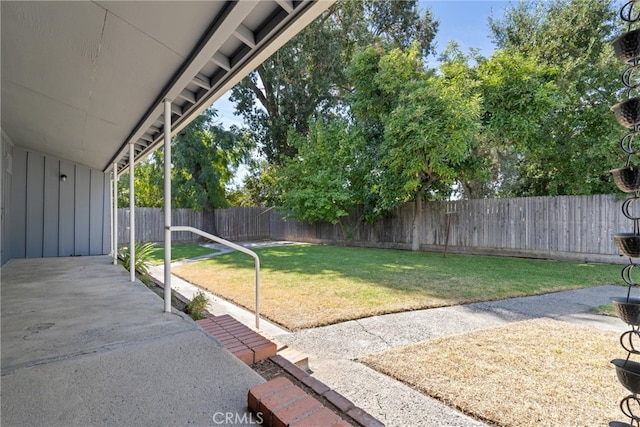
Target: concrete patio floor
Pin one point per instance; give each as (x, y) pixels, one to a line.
(84, 346)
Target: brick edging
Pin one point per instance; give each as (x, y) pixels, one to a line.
(361, 417)
(243, 342)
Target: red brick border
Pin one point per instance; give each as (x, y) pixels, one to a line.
(279, 401)
(343, 404)
(283, 404)
(242, 341)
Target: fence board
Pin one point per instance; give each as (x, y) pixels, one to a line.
(150, 224)
(541, 226)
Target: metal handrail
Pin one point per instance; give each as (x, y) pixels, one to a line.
(232, 246)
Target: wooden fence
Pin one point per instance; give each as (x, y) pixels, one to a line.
(564, 227)
(150, 224)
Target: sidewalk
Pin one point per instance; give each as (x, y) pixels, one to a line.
(217, 305)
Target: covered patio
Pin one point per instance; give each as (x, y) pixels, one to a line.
(82, 345)
(88, 90)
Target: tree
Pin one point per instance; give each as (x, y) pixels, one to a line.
(518, 97)
(148, 181)
(581, 134)
(379, 78)
(419, 128)
(306, 78)
(318, 183)
(428, 137)
(258, 185)
(204, 159)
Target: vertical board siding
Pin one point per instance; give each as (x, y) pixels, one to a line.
(49, 217)
(18, 206)
(51, 198)
(35, 205)
(6, 177)
(96, 212)
(81, 210)
(66, 205)
(106, 214)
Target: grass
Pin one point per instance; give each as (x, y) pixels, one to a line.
(179, 252)
(500, 375)
(309, 285)
(604, 310)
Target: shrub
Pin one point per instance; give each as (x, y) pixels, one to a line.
(142, 254)
(197, 305)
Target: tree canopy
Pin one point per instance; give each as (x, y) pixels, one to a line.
(204, 159)
(577, 147)
(348, 115)
(306, 78)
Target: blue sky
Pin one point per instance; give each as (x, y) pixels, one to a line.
(465, 21)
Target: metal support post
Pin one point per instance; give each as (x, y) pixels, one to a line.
(114, 214)
(167, 205)
(132, 215)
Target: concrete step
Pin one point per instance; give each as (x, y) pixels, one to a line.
(296, 357)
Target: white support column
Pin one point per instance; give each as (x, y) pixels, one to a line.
(167, 205)
(114, 214)
(111, 251)
(132, 216)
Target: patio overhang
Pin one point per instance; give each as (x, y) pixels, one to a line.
(83, 80)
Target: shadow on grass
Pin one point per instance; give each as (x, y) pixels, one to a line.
(466, 277)
(310, 285)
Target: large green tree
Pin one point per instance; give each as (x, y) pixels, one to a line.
(204, 159)
(322, 181)
(306, 77)
(578, 145)
(518, 98)
(419, 128)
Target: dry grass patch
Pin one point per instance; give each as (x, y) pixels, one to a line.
(533, 373)
(297, 301)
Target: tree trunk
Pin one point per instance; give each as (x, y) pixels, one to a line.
(417, 221)
(344, 233)
(209, 219)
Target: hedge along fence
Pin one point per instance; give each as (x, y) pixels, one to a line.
(576, 228)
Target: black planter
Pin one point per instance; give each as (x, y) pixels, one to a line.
(628, 112)
(628, 373)
(628, 310)
(627, 179)
(627, 46)
(628, 244)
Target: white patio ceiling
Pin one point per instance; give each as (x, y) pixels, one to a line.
(81, 80)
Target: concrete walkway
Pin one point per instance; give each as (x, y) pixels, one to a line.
(334, 350)
(84, 346)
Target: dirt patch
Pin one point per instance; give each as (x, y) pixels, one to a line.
(533, 373)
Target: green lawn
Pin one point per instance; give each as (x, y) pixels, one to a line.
(309, 285)
(179, 252)
(605, 310)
